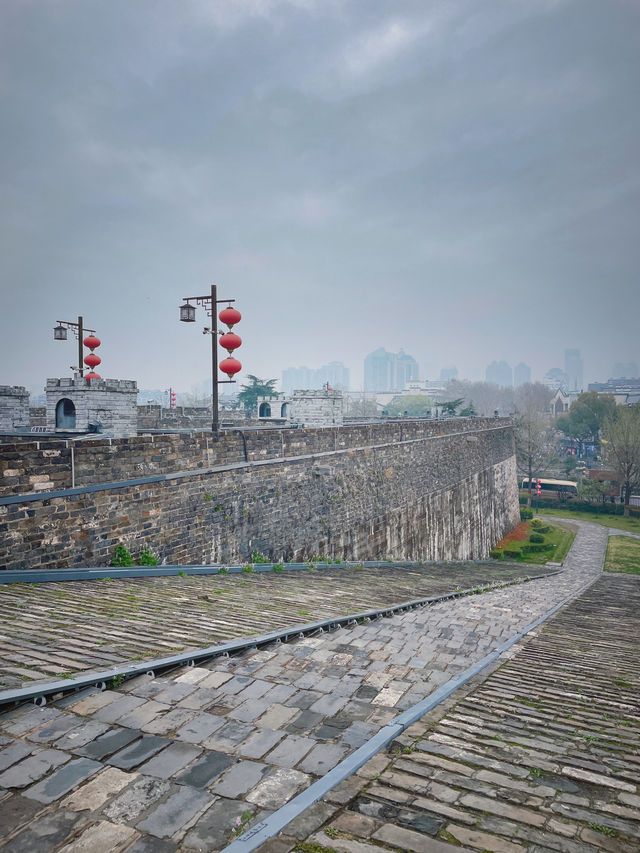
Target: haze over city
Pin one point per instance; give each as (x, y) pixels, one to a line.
(458, 181)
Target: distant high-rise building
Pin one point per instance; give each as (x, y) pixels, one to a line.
(521, 374)
(556, 379)
(307, 379)
(406, 369)
(625, 370)
(573, 368)
(388, 371)
(448, 373)
(499, 373)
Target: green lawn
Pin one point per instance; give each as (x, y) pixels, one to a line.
(623, 555)
(618, 522)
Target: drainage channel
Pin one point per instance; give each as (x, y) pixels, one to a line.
(41, 693)
(272, 825)
(85, 573)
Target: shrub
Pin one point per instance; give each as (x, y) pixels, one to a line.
(538, 547)
(121, 557)
(512, 553)
(536, 537)
(146, 558)
(258, 557)
(539, 526)
(495, 554)
(526, 513)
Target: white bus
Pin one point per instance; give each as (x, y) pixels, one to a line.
(552, 488)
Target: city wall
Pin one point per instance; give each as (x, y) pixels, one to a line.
(415, 490)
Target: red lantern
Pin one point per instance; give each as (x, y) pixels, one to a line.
(91, 341)
(230, 341)
(230, 366)
(92, 360)
(92, 375)
(230, 316)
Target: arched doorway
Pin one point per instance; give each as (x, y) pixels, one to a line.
(265, 410)
(284, 409)
(65, 414)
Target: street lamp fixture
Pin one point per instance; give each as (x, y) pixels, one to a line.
(187, 313)
(228, 316)
(78, 329)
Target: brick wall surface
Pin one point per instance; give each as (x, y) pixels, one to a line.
(417, 490)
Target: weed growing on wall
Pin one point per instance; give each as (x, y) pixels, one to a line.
(122, 558)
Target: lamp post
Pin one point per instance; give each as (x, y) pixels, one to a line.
(60, 334)
(230, 366)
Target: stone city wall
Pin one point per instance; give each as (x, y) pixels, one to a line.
(419, 490)
(188, 417)
(14, 408)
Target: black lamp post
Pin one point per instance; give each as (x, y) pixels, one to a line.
(188, 315)
(60, 334)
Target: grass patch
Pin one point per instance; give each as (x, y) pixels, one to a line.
(603, 830)
(619, 522)
(623, 555)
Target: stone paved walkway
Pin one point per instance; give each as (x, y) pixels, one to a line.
(183, 762)
(58, 630)
(544, 755)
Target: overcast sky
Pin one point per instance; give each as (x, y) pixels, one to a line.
(460, 179)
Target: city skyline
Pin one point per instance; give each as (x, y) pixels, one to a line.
(305, 377)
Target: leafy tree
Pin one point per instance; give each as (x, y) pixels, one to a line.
(415, 405)
(592, 491)
(570, 465)
(469, 411)
(622, 442)
(248, 396)
(587, 416)
(450, 407)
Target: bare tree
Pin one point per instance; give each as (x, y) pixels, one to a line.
(360, 407)
(532, 397)
(530, 430)
(623, 448)
(485, 397)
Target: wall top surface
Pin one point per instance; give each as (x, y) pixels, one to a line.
(80, 384)
(13, 391)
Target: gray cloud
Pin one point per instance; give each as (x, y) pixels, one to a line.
(460, 180)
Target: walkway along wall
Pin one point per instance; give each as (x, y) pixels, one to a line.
(415, 490)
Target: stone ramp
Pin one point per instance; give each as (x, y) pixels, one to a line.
(543, 755)
(60, 630)
(189, 761)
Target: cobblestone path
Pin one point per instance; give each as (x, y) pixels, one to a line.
(184, 762)
(543, 756)
(63, 629)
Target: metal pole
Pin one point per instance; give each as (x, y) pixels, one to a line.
(80, 337)
(214, 359)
